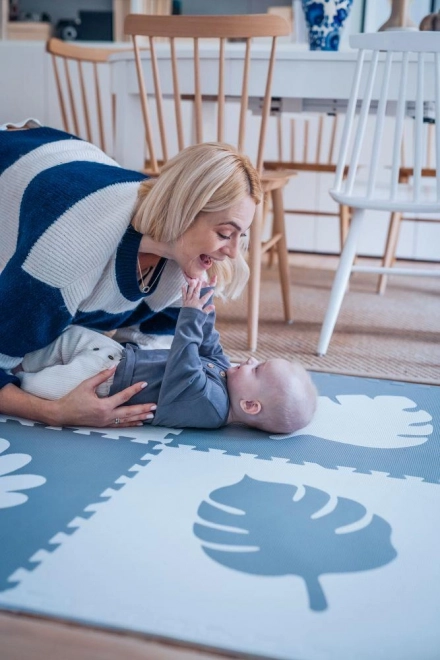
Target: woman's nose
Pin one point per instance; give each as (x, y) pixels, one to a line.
(231, 249)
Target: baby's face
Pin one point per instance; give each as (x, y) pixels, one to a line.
(251, 379)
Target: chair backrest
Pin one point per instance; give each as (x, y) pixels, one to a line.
(307, 143)
(428, 164)
(382, 87)
(202, 89)
(83, 90)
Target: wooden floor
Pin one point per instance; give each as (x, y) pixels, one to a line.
(32, 638)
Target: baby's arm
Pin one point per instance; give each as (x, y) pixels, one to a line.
(210, 346)
(184, 375)
(185, 383)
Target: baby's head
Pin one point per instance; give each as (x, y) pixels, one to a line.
(276, 396)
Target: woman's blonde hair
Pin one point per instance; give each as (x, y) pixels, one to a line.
(206, 177)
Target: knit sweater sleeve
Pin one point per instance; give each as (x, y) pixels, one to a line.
(32, 316)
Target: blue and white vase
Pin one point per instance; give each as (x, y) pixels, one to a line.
(325, 20)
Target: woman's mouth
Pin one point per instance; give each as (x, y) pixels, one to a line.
(206, 261)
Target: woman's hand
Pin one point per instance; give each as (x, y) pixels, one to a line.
(82, 407)
(191, 295)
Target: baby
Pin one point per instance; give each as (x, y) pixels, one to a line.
(193, 382)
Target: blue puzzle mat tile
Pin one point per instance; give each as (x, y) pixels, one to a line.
(368, 424)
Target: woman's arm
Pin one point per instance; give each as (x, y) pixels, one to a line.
(81, 407)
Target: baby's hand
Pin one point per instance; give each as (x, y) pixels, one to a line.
(191, 295)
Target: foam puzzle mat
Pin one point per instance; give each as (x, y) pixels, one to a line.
(320, 545)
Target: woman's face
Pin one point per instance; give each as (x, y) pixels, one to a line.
(213, 237)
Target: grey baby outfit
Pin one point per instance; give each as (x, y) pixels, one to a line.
(187, 381)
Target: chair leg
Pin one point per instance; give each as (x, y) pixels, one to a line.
(344, 226)
(266, 210)
(340, 282)
(266, 200)
(390, 249)
(344, 223)
(254, 278)
(283, 260)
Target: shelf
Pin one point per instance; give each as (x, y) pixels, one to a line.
(28, 30)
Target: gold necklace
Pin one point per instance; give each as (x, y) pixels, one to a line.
(146, 288)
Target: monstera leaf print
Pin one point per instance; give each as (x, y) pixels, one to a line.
(267, 528)
(12, 484)
(381, 422)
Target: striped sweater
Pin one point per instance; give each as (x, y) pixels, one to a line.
(68, 253)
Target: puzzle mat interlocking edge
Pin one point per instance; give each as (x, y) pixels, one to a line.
(319, 546)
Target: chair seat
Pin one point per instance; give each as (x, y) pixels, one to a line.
(273, 179)
(300, 165)
(428, 202)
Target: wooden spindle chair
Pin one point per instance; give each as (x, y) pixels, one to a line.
(406, 174)
(203, 92)
(383, 74)
(297, 151)
(87, 106)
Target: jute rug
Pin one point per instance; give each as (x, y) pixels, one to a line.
(395, 336)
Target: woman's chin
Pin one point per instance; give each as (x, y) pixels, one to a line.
(196, 273)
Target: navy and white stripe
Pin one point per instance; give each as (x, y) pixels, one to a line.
(67, 251)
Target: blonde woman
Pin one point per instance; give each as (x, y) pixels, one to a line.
(86, 242)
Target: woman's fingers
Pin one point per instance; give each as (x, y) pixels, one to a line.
(132, 415)
(127, 416)
(82, 407)
(100, 378)
(120, 398)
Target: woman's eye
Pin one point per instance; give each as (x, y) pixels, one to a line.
(223, 237)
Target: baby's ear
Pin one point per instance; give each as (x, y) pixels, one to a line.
(250, 407)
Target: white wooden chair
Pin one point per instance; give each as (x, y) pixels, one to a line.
(383, 78)
(206, 93)
(86, 105)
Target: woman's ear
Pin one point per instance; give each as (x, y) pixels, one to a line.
(250, 407)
